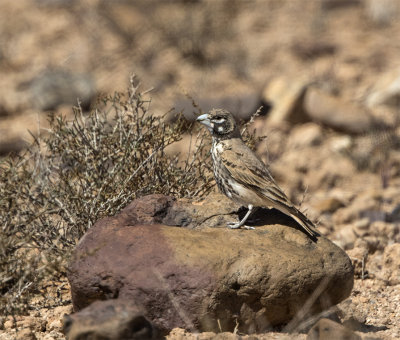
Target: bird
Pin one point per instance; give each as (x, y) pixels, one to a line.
(242, 176)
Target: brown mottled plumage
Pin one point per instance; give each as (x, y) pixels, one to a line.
(241, 175)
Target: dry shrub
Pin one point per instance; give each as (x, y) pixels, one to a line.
(78, 173)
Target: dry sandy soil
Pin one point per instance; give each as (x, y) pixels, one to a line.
(218, 49)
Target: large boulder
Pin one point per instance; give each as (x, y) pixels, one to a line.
(182, 267)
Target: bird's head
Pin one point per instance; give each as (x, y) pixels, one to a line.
(220, 123)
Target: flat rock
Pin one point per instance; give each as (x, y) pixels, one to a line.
(178, 262)
(337, 114)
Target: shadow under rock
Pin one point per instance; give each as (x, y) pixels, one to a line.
(358, 326)
(264, 216)
(371, 328)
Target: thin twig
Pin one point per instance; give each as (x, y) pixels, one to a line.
(291, 326)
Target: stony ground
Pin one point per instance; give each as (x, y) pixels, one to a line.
(213, 51)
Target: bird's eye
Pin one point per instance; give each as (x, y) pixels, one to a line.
(219, 119)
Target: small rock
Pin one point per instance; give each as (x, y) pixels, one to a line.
(354, 324)
(285, 98)
(8, 323)
(305, 135)
(391, 264)
(25, 322)
(386, 92)
(382, 12)
(312, 49)
(181, 334)
(362, 224)
(53, 335)
(326, 329)
(340, 144)
(361, 227)
(382, 228)
(350, 310)
(33, 323)
(25, 334)
(329, 205)
(336, 114)
(177, 333)
(111, 320)
(55, 325)
(359, 256)
(345, 215)
(345, 237)
(53, 319)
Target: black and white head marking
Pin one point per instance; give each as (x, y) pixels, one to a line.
(220, 123)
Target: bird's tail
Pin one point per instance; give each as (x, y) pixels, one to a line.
(305, 222)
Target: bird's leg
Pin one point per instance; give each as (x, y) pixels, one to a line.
(236, 225)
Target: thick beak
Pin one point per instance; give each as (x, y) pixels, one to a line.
(203, 119)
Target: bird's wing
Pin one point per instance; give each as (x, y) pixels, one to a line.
(247, 169)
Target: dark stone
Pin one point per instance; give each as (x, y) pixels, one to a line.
(109, 320)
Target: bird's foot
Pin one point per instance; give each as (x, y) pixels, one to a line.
(237, 225)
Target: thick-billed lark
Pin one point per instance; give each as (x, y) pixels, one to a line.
(242, 176)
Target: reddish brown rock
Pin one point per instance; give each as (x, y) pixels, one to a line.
(207, 279)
